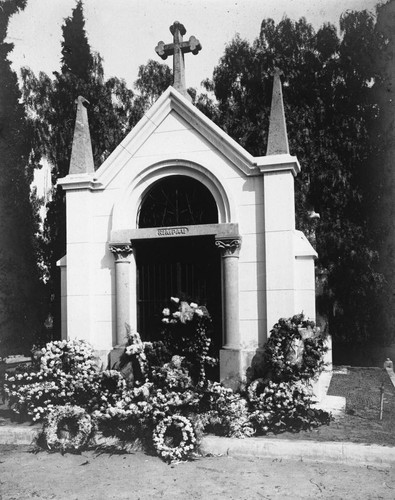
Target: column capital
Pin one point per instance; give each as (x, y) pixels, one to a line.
(229, 246)
(122, 252)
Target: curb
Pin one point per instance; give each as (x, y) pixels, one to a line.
(21, 435)
(258, 447)
(277, 448)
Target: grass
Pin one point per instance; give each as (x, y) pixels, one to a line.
(361, 423)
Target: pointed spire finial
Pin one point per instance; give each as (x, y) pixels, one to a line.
(277, 142)
(81, 161)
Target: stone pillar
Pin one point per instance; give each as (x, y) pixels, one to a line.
(231, 358)
(125, 269)
(230, 249)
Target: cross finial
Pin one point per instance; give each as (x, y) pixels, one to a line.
(177, 49)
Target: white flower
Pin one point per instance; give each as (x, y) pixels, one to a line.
(175, 299)
(177, 314)
(166, 311)
(199, 313)
(193, 305)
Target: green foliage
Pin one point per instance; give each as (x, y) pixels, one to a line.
(327, 86)
(51, 103)
(113, 110)
(76, 53)
(152, 80)
(380, 178)
(20, 287)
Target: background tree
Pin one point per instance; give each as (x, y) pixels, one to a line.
(52, 106)
(381, 173)
(113, 110)
(327, 94)
(20, 288)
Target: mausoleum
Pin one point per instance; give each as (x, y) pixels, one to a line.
(181, 209)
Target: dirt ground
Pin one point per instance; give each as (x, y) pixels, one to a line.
(25, 475)
(137, 476)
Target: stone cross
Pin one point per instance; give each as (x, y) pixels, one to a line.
(177, 49)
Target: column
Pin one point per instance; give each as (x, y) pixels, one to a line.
(230, 248)
(125, 299)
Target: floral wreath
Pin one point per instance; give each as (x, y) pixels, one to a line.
(255, 389)
(166, 442)
(79, 419)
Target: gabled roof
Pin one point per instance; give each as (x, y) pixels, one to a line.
(171, 100)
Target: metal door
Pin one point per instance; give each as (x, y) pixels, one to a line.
(188, 268)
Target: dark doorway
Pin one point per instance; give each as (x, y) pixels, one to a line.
(188, 268)
(177, 200)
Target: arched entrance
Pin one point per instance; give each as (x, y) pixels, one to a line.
(177, 266)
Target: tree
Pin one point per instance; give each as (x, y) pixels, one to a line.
(113, 110)
(20, 288)
(327, 94)
(52, 111)
(381, 173)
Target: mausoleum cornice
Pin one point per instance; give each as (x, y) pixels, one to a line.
(80, 182)
(277, 163)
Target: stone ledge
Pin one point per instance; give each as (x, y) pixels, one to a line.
(258, 447)
(391, 375)
(325, 451)
(18, 434)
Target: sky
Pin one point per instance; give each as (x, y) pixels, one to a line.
(125, 32)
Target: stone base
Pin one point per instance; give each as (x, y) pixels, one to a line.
(321, 385)
(233, 365)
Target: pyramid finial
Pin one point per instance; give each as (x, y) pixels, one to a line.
(81, 161)
(277, 142)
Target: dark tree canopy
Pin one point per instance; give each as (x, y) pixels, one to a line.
(329, 110)
(76, 52)
(20, 288)
(380, 178)
(330, 84)
(113, 110)
(52, 106)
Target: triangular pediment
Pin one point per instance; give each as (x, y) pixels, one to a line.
(174, 110)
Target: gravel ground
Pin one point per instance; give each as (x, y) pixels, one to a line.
(25, 475)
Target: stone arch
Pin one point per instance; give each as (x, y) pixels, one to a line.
(125, 214)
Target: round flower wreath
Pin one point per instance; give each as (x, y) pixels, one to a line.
(255, 389)
(174, 438)
(77, 419)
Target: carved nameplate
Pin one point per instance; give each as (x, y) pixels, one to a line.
(172, 231)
